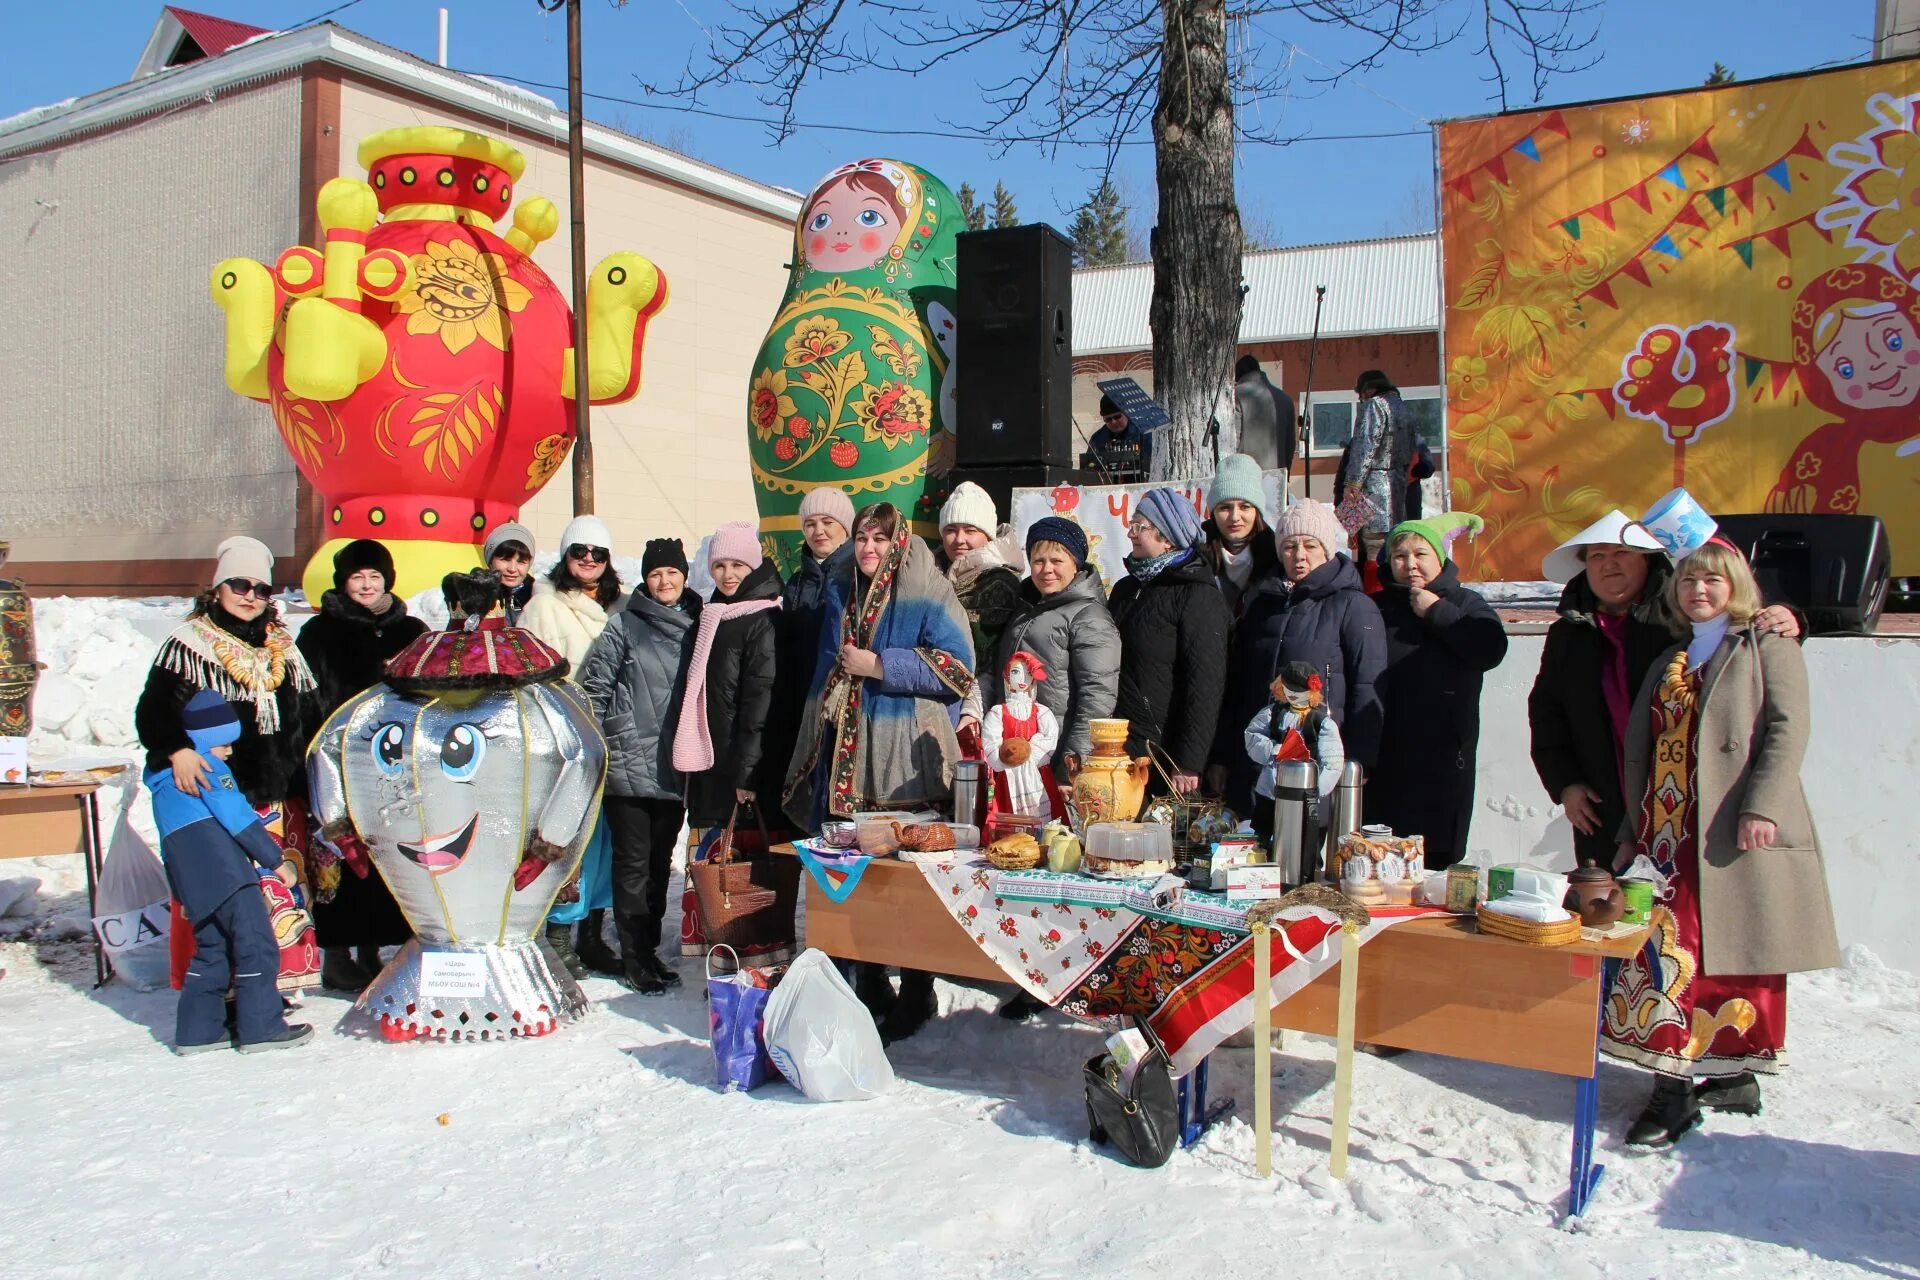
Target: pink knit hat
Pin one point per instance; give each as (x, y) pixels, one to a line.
(734, 540)
(828, 500)
(1314, 520)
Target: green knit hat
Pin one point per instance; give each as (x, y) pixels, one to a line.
(1438, 530)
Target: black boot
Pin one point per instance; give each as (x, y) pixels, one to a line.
(871, 985)
(592, 947)
(560, 938)
(368, 958)
(339, 971)
(1738, 1094)
(1020, 1007)
(912, 1009)
(1671, 1111)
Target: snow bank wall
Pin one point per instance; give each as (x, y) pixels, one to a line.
(1860, 775)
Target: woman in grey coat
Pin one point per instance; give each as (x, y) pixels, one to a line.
(633, 675)
(1063, 621)
(1713, 751)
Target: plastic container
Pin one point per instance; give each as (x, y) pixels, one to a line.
(1148, 845)
(874, 831)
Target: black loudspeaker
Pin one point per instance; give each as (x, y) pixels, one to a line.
(1832, 567)
(1000, 482)
(1015, 347)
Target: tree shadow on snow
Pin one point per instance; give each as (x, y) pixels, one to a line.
(1861, 1208)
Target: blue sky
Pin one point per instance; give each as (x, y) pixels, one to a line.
(1305, 193)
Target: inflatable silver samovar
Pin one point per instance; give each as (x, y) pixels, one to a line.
(472, 777)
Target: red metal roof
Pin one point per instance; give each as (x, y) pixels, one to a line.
(214, 35)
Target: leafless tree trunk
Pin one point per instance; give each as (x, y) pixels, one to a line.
(1195, 315)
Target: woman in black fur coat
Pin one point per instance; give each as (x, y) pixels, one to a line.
(361, 624)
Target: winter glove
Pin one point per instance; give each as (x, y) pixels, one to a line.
(539, 856)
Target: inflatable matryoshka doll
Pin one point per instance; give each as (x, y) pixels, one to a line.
(854, 385)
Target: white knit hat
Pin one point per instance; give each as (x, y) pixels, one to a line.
(586, 531)
(1314, 520)
(969, 504)
(242, 557)
(828, 500)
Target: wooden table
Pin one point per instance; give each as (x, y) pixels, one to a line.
(1433, 985)
(40, 822)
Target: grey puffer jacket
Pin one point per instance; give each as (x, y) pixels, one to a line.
(1073, 635)
(634, 675)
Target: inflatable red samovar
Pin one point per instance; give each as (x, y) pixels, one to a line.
(420, 367)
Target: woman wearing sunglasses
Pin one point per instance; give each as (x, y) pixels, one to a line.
(234, 644)
(569, 611)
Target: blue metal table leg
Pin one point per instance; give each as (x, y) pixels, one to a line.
(1584, 1175)
(1195, 1116)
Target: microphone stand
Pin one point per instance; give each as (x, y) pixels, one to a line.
(1303, 429)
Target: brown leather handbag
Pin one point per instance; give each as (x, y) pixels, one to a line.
(747, 899)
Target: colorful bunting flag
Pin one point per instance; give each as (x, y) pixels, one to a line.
(1665, 245)
(1745, 249)
(1717, 197)
(1572, 227)
(1752, 368)
(1778, 172)
(1672, 174)
(1528, 148)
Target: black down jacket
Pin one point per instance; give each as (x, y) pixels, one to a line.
(742, 717)
(1072, 633)
(348, 645)
(1422, 780)
(1573, 734)
(634, 675)
(1324, 620)
(1174, 632)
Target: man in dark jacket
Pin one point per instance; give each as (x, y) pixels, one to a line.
(1174, 626)
(1120, 452)
(632, 676)
(1441, 640)
(1269, 428)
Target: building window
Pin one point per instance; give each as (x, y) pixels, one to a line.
(1332, 419)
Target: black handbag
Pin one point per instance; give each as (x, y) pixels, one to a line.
(1143, 1119)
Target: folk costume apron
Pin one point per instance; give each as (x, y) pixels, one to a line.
(1663, 1012)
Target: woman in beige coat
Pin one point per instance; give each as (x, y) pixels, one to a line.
(1712, 765)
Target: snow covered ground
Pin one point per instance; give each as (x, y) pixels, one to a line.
(605, 1150)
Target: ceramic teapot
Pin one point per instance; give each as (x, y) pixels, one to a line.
(1594, 895)
(1108, 786)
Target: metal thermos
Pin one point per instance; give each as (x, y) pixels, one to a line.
(1296, 795)
(1347, 813)
(968, 790)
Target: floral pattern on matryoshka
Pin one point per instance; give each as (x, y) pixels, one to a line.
(854, 382)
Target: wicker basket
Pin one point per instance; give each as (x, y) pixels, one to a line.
(1558, 934)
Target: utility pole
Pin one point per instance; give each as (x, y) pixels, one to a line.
(577, 201)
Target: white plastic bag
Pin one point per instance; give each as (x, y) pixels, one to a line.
(131, 905)
(821, 1037)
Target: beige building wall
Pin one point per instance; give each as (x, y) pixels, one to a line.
(672, 462)
(121, 440)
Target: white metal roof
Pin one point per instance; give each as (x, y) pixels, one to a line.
(271, 55)
(1373, 286)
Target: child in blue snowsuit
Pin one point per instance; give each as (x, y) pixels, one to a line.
(210, 844)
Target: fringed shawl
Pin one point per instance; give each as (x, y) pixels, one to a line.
(884, 749)
(204, 655)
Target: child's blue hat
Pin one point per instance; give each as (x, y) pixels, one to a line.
(209, 721)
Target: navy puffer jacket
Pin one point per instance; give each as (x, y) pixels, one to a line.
(1325, 620)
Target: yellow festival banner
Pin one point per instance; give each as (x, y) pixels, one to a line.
(1714, 288)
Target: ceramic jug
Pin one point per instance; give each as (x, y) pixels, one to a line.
(1594, 895)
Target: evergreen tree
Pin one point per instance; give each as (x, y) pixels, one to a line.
(1722, 74)
(972, 212)
(1004, 212)
(1099, 230)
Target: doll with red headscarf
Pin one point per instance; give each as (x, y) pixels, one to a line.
(1019, 737)
(1856, 345)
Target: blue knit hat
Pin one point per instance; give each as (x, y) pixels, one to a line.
(1061, 530)
(1172, 515)
(1238, 478)
(209, 721)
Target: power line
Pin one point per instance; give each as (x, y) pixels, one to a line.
(951, 135)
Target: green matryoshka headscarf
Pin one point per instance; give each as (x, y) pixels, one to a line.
(854, 383)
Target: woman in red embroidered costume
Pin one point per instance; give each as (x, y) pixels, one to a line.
(1713, 752)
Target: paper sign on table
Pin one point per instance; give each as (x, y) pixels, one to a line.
(453, 975)
(13, 761)
(1258, 882)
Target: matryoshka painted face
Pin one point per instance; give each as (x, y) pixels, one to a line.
(848, 227)
(1873, 360)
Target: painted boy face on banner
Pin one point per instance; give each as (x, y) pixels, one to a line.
(1873, 360)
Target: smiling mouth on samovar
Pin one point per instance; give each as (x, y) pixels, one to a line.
(442, 853)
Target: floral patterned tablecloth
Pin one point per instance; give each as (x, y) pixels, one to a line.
(1104, 951)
